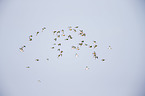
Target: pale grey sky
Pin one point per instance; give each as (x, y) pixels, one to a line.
(119, 23)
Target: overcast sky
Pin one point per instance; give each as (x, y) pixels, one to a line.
(119, 23)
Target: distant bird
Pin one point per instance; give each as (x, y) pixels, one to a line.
(94, 42)
(83, 34)
(55, 39)
(70, 29)
(80, 44)
(109, 47)
(103, 59)
(47, 59)
(61, 51)
(66, 39)
(90, 46)
(30, 39)
(59, 55)
(30, 36)
(58, 32)
(54, 32)
(58, 36)
(95, 46)
(63, 34)
(86, 44)
(87, 68)
(69, 36)
(75, 30)
(27, 67)
(96, 57)
(62, 31)
(94, 53)
(37, 59)
(37, 33)
(78, 48)
(82, 41)
(73, 47)
(22, 48)
(59, 44)
(43, 29)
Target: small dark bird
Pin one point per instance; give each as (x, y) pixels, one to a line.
(95, 46)
(103, 59)
(37, 33)
(59, 44)
(37, 59)
(27, 67)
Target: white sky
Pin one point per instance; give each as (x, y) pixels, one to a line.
(119, 23)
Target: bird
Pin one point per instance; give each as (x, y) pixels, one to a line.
(109, 47)
(73, 47)
(87, 68)
(90, 46)
(58, 36)
(95, 46)
(82, 41)
(59, 44)
(30, 39)
(103, 59)
(80, 44)
(43, 29)
(61, 51)
(63, 34)
(47, 59)
(37, 59)
(75, 30)
(86, 44)
(21, 49)
(78, 48)
(27, 67)
(54, 32)
(94, 42)
(55, 39)
(66, 39)
(37, 33)
(59, 55)
(96, 57)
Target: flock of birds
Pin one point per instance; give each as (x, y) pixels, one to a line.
(69, 37)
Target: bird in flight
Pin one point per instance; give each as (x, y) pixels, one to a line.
(87, 68)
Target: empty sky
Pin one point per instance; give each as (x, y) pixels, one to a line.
(119, 23)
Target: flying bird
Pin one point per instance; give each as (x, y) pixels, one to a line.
(87, 68)
(103, 59)
(37, 33)
(109, 47)
(27, 67)
(37, 59)
(95, 46)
